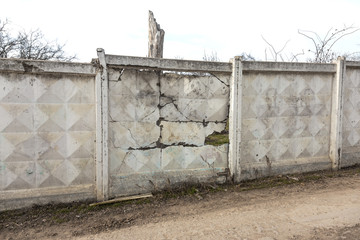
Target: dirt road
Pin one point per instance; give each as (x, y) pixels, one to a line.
(324, 208)
(287, 213)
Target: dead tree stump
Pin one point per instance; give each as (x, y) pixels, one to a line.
(156, 38)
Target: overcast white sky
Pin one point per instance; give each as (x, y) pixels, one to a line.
(228, 27)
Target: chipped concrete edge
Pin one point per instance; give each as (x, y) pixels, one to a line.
(168, 64)
(14, 199)
(252, 66)
(46, 67)
(224, 67)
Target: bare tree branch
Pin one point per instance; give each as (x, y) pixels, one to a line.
(212, 57)
(33, 45)
(323, 47)
(295, 56)
(7, 42)
(30, 45)
(275, 54)
(247, 57)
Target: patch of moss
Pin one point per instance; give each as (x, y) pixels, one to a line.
(217, 139)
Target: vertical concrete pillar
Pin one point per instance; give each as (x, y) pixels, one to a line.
(102, 101)
(337, 114)
(235, 119)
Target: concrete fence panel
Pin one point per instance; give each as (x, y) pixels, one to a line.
(47, 131)
(351, 116)
(281, 118)
(158, 122)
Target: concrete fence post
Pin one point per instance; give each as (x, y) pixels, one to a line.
(102, 101)
(235, 119)
(337, 114)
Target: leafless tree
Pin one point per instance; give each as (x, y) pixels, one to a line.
(323, 46)
(30, 45)
(8, 44)
(354, 56)
(276, 55)
(247, 57)
(33, 45)
(211, 57)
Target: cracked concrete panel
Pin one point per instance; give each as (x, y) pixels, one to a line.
(127, 162)
(205, 157)
(219, 86)
(217, 109)
(221, 153)
(147, 109)
(130, 109)
(179, 158)
(195, 87)
(134, 97)
(214, 127)
(154, 181)
(126, 86)
(114, 74)
(133, 82)
(224, 78)
(147, 84)
(116, 159)
(214, 156)
(189, 133)
(194, 98)
(127, 135)
(122, 102)
(170, 113)
(203, 110)
(193, 109)
(170, 85)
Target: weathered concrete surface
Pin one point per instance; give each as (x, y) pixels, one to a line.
(188, 133)
(155, 123)
(133, 135)
(351, 118)
(134, 96)
(157, 130)
(296, 67)
(285, 118)
(194, 98)
(43, 67)
(169, 64)
(13, 199)
(47, 131)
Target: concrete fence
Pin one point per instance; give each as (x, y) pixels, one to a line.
(129, 125)
(155, 124)
(47, 132)
(293, 117)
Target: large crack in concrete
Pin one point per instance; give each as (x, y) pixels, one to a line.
(168, 100)
(173, 102)
(219, 80)
(149, 114)
(207, 163)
